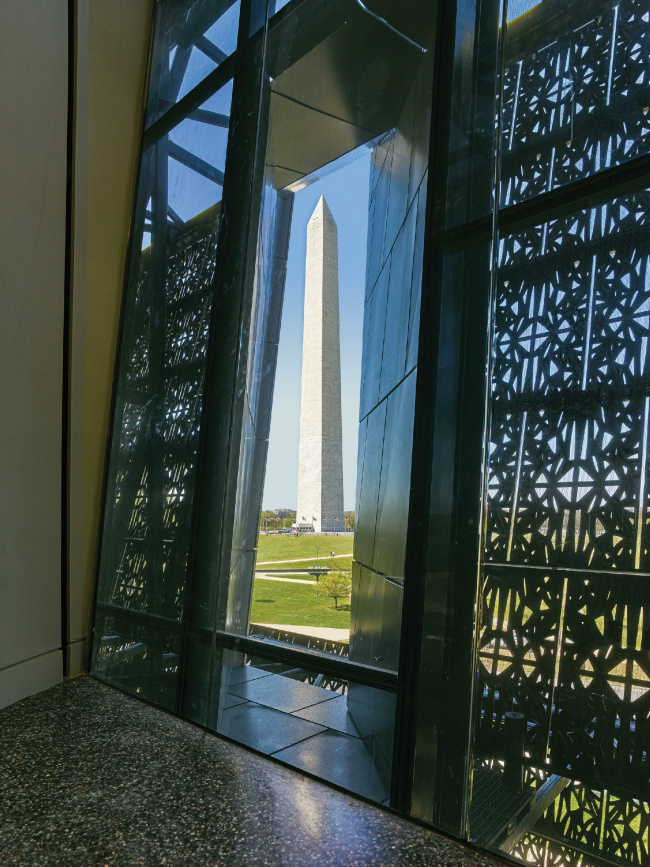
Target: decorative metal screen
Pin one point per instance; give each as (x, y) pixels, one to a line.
(565, 622)
(165, 350)
(161, 370)
(578, 101)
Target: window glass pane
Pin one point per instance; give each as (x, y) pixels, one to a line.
(344, 194)
(197, 151)
(158, 404)
(332, 728)
(341, 199)
(191, 40)
(576, 92)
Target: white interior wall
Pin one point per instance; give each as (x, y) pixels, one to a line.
(33, 113)
(112, 40)
(112, 43)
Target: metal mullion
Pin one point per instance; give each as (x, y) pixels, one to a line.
(250, 222)
(406, 714)
(205, 564)
(325, 663)
(355, 672)
(598, 189)
(443, 544)
(157, 340)
(191, 101)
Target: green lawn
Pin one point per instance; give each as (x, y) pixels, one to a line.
(287, 603)
(342, 564)
(281, 548)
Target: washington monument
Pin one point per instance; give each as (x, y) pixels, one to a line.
(320, 462)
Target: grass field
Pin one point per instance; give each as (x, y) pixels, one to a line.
(286, 603)
(343, 564)
(282, 548)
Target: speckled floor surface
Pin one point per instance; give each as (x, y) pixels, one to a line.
(89, 776)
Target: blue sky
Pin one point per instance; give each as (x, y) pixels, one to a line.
(346, 192)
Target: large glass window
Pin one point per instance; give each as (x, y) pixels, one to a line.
(235, 139)
(162, 367)
(490, 674)
(316, 137)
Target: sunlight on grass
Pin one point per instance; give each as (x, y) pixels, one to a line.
(282, 548)
(287, 603)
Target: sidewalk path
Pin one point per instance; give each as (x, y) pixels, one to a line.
(302, 560)
(259, 577)
(329, 634)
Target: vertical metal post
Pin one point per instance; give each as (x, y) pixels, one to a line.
(514, 733)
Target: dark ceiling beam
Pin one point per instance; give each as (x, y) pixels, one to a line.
(200, 20)
(210, 117)
(176, 220)
(191, 101)
(177, 72)
(210, 50)
(195, 163)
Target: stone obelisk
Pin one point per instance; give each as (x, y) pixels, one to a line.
(320, 462)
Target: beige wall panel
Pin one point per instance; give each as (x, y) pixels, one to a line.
(27, 678)
(113, 41)
(33, 108)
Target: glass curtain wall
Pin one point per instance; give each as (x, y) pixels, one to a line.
(236, 122)
(498, 674)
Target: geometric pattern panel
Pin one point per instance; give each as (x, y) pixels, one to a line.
(517, 657)
(568, 460)
(601, 722)
(599, 821)
(565, 487)
(565, 606)
(588, 712)
(576, 816)
(157, 422)
(534, 848)
(578, 104)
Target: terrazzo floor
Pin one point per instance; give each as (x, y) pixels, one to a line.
(89, 776)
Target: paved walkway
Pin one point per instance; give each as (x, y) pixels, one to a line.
(260, 577)
(302, 560)
(317, 631)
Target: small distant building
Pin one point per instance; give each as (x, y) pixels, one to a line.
(301, 527)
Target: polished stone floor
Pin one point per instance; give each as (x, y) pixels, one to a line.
(91, 777)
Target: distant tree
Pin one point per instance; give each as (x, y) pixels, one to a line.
(349, 520)
(335, 585)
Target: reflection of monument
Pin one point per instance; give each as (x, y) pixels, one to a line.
(320, 466)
